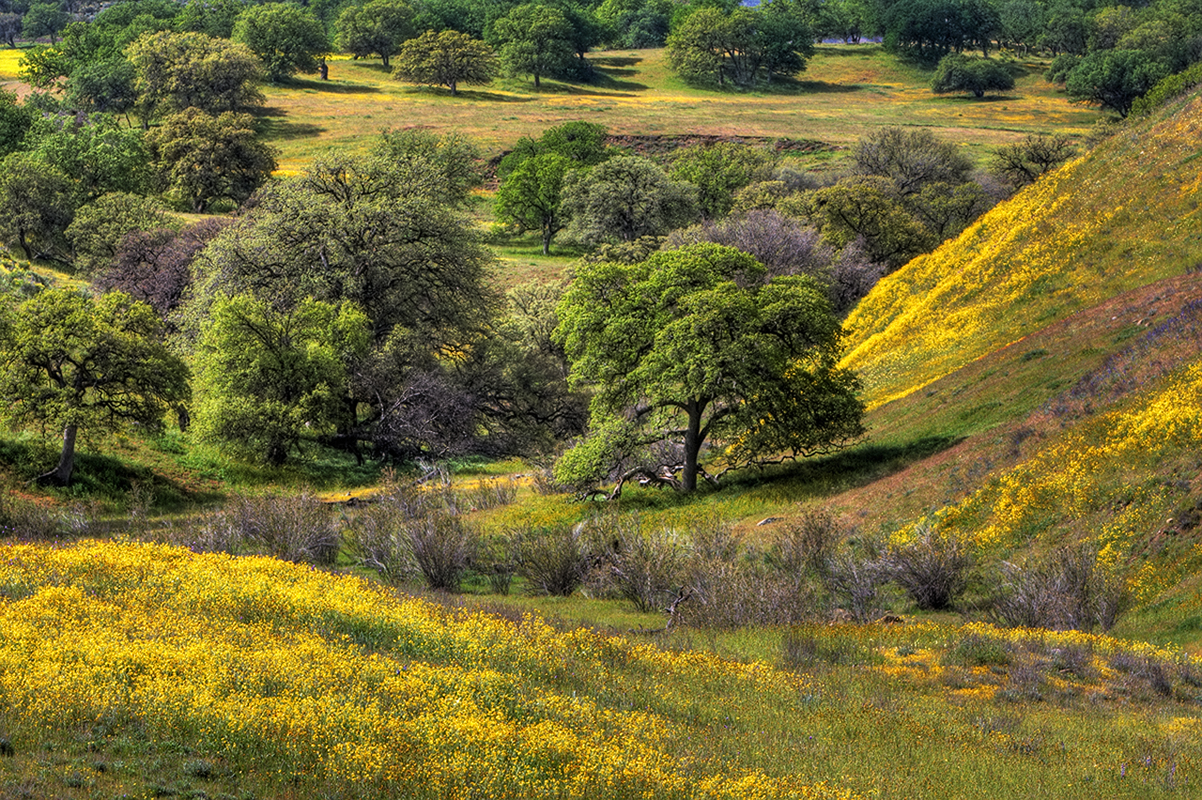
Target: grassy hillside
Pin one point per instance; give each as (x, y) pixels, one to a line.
(845, 91)
(1121, 217)
(139, 670)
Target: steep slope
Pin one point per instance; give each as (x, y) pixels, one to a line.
(1118, 218)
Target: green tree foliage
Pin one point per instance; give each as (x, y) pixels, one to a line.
(530, 197)
(583, 143)
(626, 198)
(910, 158)
(446, 58)
(534, 40)
(694, 346)
(37, 203)
(105, 86)
(68, 362)
(868, 210)
(746, 46)
(1066, 31)
(200, 159)
(377, 27)
(267, 378)
(1114, 79)
(288, 39)
(1024, 162)
(177, 71)
(44, 20)
(94, 151)
(15, 120)
(636, 24)
(719, 170)
(371, 230)
(99, 227)
(452, 161)
(929, 29)
(959, 73)
(214, 18)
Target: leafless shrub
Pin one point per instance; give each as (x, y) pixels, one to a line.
(496, 561)
(1143, 671)
(732, 585)
(488, 494)
(855, 578)
(784, 245)
(293, 528)
(933, 568)
(645, 568)
(411, 530)
(1067, 591)
(806, 547)
(442, 545)
(554, 561)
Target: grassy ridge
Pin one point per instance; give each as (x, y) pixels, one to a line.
(1121, 217)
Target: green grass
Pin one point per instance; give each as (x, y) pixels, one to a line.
(846, 90)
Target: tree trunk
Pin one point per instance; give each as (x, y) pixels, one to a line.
(453, 89)
(61, 475)
(547, 241)
(536, 83)
(692, 447)
(324, 68)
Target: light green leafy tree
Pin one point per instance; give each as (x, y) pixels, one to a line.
(696, 346)
(68, 363)
(531, 197)
(176, 71)
(720, 170)
(267, 377)
(626, 198)
(37, 203)
(288, 39)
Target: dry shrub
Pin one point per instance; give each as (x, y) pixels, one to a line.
(730, 584)
(806, 547)
(933, 568)
(488, 494)
(554, 560)
(296, 528)
(855, 578)
(412, 530)
(645, 568)
(1069, 590)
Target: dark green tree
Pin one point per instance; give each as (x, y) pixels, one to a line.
(959, 73)
(94, 151)
(534, 40)
(68, 362)
(1114, 79)
(214, 18)
(44, 20)
(695, 346)
(288, 39)
(910, 158)
(200, 158)
(37, 203)
(10, 27)
(868, 210)
(746, 46)
(15, 120)
(1024, 162)
(448, 59)
(377, 27)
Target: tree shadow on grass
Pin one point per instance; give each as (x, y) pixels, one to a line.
(609, 63)
(330, 87)
(468, 94)
(819, 476)
(585, 89)
(274, 125)
(822, 87)
(968, 99)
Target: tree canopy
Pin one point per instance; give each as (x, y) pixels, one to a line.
(68, 362)
(694, 346)
(377, 27)
(745, 46)
(535, 40)
(447, 58)
(288, 39)
(625, 198)
(960, 73)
